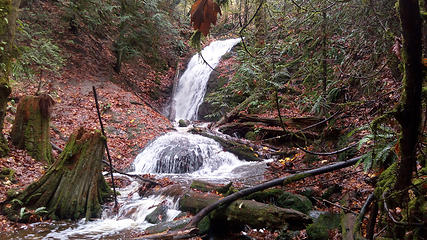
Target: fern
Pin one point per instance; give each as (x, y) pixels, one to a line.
(380, 143)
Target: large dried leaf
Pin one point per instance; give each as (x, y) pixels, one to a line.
(203, 14)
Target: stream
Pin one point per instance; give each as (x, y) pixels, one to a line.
(178, 155)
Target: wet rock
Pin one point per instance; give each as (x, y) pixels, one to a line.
(183, 123)
(172, 225)
(178, 159)
(158, 215)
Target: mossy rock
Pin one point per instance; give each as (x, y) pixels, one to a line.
(266, 196)
(283, 199)
(319, 230)
(183, 123)
(295, 201)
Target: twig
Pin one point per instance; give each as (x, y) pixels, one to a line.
(411, 224)
(336, 205)
(106, 146)
(358, 224)
(55, 129)
(206, 62)
(131, 175)
(306, 128)
(328, 153)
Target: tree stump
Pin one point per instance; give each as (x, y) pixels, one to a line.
(73, 187)
(30, 130)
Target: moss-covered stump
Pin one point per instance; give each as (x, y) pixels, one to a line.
(73, 187)
(30, 130)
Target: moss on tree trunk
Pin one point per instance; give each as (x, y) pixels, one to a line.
(8, 15)
(31, 127)
(73, 187)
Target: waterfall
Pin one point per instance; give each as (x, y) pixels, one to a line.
(179, 153)
(191, 88)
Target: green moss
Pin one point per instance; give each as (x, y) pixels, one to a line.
(386, 181)
(295, 201)
(319, 230)
(7, 174)
(204, 225)
(250, 135)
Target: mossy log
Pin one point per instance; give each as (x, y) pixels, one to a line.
(275, 182)
(245, 212)
(73, 187)
(30, 130)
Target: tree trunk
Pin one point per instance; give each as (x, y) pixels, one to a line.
(260, 24)
(30, 130)
(8, 16)
(409, 110)
(73, 187)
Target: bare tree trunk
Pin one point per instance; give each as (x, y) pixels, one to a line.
(8, 16)
(30, 130)
(73, 187)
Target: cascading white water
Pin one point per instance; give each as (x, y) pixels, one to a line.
(192, 85)
(179, 152)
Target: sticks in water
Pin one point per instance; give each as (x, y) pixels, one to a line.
(106, 146)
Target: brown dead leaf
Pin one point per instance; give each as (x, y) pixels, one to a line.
(203, 14)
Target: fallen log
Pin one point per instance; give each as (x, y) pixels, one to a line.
(242, 151)
(241, 129)
(295, 122)
(245, 212)
(233, 113)
(279, 181)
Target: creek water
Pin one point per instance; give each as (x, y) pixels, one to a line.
(179, 155)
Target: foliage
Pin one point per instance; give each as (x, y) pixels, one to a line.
(40, 54)
(356, 50)
(380, 141)
(143, 27)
